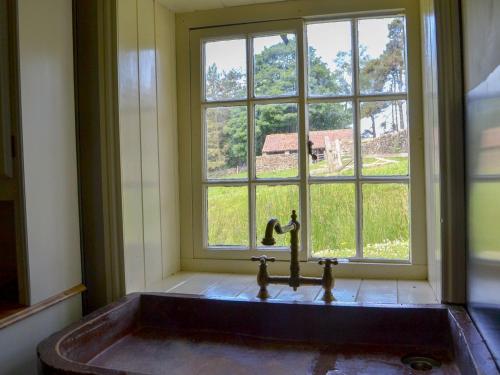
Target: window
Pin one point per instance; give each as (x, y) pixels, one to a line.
(310, 116)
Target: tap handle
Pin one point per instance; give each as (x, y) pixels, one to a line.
(327, 262)
(263, 259)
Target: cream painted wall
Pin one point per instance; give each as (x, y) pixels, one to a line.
(49, 146)
(148, 142)
(130, 145)
(50, 177)
(167, 131)
(431, 129)
(19, 341)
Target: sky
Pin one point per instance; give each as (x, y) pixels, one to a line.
(328, 38)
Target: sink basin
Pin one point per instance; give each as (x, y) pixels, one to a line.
(154, 333)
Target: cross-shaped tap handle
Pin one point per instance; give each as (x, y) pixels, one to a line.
(328, 262)
(263, 259)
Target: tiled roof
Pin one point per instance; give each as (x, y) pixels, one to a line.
(289, 141)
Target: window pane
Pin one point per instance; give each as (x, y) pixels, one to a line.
(333, 220)
(384, 138)
(276, 140)
(386, 221)
(329, 58)
(382, 54)
(226, 139)
(275, 65)
(331, 134)
(278, 202)
(227, 216)
(226, 70)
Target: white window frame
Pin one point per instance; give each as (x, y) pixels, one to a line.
(199, 104)
(196, 248)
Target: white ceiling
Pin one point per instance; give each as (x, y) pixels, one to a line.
(180, 6)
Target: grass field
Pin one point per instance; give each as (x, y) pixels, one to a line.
(385, 213)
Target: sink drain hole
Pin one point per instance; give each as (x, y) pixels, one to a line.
(420, 363)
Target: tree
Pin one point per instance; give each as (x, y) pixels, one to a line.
(372, 80)
(393, 59)
(216, 155)
(385, 74)
(224, 85)
(235, 134)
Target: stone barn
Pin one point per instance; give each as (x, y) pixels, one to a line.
(321, 140)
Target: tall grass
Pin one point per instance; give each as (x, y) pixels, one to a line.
(385, 216)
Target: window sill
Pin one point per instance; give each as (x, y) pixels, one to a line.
(353, 290)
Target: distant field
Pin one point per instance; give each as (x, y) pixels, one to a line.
(385, 212)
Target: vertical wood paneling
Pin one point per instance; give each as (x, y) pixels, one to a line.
(149, 141)
(130, 145)
(168, 140)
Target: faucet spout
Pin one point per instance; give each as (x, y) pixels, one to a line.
(274, 225)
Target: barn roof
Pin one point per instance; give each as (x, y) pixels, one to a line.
(289, 141)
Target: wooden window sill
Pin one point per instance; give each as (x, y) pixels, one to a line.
(244, 287)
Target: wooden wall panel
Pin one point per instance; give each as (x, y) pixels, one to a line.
(130, 145)
(168, 138)
(149, 141)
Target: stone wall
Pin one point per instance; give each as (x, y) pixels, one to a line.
(274, 162)
(391, 143)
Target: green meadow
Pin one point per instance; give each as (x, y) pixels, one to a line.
(385, 227)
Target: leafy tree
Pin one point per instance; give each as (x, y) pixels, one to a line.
(393, 59)
(235, 133)
(385, 74)
(216, 153)
(276, 69)
(225, 85)
(372, 80)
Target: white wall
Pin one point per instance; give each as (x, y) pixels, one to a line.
(19, 341)
(50, 172)
(148, 142)
(49, 146)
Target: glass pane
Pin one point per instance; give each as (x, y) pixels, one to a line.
(329, 58)
(278, 202)
(226, 70)
(276, 140)
(382, 54)
(386, 221)
(275, 65)
(227, 216)
(384, 138)
(333, 220)
(226, 139)
(331, 134)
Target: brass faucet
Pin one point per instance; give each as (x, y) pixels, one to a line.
(294, 280)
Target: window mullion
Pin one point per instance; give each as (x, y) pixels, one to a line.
(357, 140)
(303, 155)
(251, 145)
